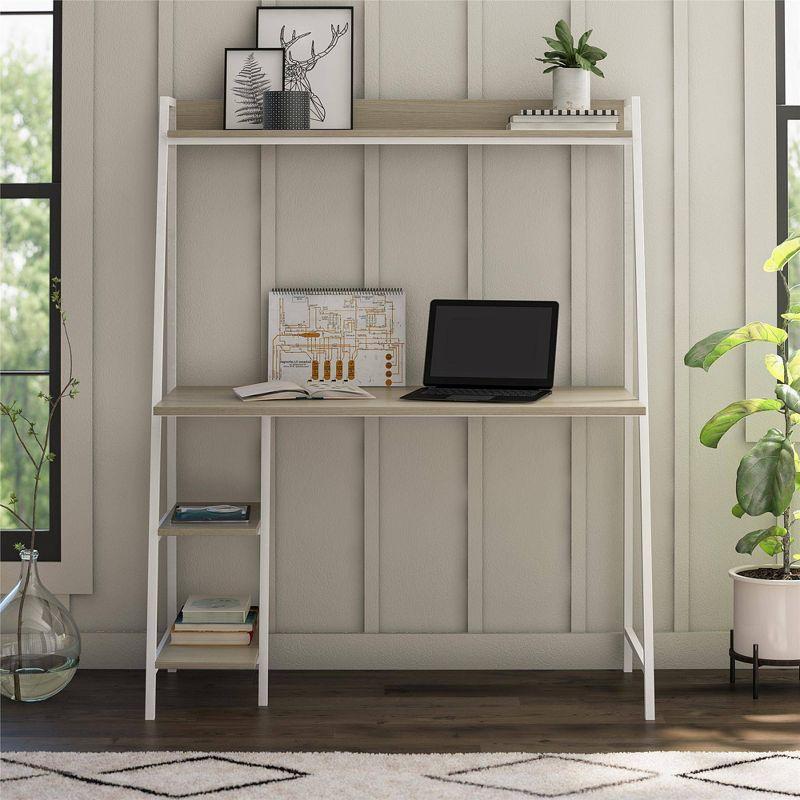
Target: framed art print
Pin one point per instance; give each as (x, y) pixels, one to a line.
(318, 41)
(249, 72)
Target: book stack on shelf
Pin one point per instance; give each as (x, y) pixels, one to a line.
(556, 119)
(213, 620)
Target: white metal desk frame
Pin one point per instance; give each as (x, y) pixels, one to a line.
(164, 304)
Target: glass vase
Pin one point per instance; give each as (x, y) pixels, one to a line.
(40, 645)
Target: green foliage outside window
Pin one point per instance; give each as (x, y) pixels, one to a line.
(25, 143)
(26, 115)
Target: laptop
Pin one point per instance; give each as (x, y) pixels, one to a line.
(489, 351)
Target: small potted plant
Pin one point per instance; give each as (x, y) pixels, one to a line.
(571, 66)
(766, 599)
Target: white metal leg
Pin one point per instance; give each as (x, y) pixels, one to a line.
(152, 569)
(172, 541)
(263, 562)
(647, 571)
(627, 547)
(644, 422)
(154, 512)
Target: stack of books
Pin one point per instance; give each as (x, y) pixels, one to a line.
(556, 119)
(215, 620)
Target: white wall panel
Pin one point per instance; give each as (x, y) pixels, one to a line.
(319, 547)
(638, 64)
(422, 240)
(512, 38)
(716, 186)
(526, 526)
(124, 203)
(423, 49)
(423, 550)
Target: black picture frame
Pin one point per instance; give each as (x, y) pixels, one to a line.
(262, 11)
(225, 84)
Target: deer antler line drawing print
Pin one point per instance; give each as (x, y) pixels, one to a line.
(249, 86)
(296, 75)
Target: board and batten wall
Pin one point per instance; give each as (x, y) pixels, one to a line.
(435, 543)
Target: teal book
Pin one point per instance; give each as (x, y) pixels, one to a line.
(221, 512)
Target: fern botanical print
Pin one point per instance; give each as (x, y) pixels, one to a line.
(249, 86)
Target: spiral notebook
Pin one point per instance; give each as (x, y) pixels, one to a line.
(337, 336)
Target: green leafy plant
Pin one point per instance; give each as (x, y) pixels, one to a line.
(769, 475)
(35, 444)
(565, 54)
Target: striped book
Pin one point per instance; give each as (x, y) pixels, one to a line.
(554, 119)
(568, 112)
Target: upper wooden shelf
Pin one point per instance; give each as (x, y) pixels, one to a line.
(220, 401)
(397, 122)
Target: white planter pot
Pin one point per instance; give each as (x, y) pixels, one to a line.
(766, 613)
(571, 88)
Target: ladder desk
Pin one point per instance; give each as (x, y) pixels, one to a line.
(384, 122)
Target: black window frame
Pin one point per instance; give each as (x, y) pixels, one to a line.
(783, 115)
(48, 540)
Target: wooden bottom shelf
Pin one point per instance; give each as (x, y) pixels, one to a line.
(184, 656)
(250, 528)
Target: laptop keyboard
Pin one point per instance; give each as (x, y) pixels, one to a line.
(509, 394)
(436, 391)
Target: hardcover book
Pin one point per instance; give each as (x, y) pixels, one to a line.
(181, 626)
(286, 390)
(219, 512)
(214, 608)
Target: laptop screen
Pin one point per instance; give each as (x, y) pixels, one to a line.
(491, 343)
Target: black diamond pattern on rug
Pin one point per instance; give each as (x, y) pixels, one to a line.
(552, 775)
(19, 772)
(777, 774)
(178, 778)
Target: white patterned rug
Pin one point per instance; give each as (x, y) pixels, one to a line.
(351, 776)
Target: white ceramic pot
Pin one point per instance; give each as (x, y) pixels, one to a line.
(571, 88)
(766, 613)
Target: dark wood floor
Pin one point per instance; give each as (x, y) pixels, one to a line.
(411, 711)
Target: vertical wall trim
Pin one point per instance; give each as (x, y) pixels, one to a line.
(372, 429)
(475, 291)
(578, 361)
(682, 319)
(269, 271)
(760, 181)
(74, 573)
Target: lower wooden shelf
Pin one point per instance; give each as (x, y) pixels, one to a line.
(184, 656)
(250, 528)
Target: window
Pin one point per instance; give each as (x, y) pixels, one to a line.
(30, 218)
(787, 27)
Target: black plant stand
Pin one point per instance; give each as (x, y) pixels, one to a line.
(757, 662)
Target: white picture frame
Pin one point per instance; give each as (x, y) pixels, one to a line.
(249, 71)
(328, 30)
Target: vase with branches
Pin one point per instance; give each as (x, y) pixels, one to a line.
(40, 641)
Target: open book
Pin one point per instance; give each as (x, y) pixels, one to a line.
(286, 390)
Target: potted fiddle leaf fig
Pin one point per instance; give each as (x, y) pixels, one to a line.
(572, 66)
(766, 598)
